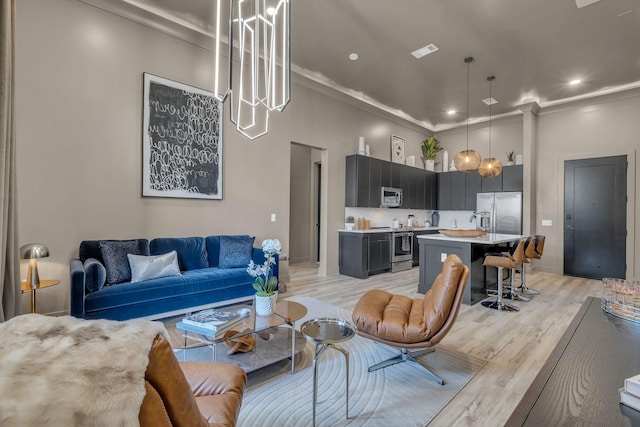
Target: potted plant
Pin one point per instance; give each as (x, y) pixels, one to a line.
(510, 158)
(430, 148)
(265, 284)
(349, 222)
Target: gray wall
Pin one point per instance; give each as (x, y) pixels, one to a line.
(79, 120)
(606, 126)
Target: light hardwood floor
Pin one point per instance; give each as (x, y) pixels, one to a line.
(514, 344)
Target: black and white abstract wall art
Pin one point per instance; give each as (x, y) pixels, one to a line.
(182, 141)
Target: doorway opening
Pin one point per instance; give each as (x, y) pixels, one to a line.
(305, 205)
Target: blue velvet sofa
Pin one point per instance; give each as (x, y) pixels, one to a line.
(201, 281)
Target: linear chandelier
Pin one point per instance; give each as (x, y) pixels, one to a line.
(258, 61)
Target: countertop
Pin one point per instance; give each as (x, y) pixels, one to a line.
(389, 230)
(487, 239)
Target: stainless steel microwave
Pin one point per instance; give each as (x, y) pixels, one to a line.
(390, 197)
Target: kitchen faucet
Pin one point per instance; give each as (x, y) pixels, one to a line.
(484, 219)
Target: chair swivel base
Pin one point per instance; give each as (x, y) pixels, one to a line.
(405, 356)
(500, 305)
(515, 296)
(528, 291)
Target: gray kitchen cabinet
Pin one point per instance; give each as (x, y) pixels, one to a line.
(379, 176)
(363, 254)
(444, 191)
(431, 190)
(451, 191)
(416, 244)
(379, 252)
(458, 193)
(357, 182)
(418, 182)
(473, 186)
(491, 184)
(458, 190)
(512, 178)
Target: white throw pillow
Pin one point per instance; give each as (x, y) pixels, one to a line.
(152, 267)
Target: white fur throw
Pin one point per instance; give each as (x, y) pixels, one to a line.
(63, 371)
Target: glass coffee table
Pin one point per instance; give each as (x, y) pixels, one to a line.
(272, 342)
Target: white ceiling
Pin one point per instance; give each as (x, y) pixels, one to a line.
(533, 47)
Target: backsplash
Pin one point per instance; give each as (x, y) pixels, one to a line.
(381, 217)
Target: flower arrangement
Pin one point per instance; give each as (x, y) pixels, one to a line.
(266, 284)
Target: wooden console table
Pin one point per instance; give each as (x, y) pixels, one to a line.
(579, 383)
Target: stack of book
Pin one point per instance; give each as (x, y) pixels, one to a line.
(630, 393)
(216, 321)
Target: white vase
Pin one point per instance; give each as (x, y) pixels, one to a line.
(265, 305)
(508, 164)
(430, 165)
(348, 225)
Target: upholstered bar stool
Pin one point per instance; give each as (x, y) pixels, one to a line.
(502, 261)
(533, 250)
(514, 292)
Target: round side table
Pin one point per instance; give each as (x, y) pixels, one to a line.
(24, 287)
(326, 332)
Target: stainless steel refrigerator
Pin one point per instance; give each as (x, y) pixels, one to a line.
(505, 209)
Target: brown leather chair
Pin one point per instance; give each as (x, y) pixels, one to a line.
(406, 323)
(189, 394)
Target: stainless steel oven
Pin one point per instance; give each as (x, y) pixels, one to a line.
(402, 250)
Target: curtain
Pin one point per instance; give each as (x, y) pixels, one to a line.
(9, 255)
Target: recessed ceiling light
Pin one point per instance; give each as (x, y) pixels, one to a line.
(489, 101)
(353, 56)
(451, 112)
(424, 51)
(271, 11)
(575, 82)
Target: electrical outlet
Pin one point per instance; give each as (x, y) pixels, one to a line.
(443, 257)
(273, 217)
(547, 222)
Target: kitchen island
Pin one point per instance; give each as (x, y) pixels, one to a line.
(434, 249)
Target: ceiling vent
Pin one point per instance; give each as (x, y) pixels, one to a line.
(584, 3)
(490, 101)
(424, 51)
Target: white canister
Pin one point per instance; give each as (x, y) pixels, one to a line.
(361, 149)
(445, 161)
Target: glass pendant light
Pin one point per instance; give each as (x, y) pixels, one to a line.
(467, 160)
(490, 166)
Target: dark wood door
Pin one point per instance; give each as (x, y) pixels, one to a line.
(595, 220)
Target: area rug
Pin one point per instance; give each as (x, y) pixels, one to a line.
(399, 395)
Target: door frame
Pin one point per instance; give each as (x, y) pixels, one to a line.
(631, 201)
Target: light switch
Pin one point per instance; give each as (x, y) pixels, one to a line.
(547, 222)
(273, 217)
(443, 257)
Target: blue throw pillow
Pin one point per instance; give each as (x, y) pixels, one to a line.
(114, 254)
(95, 275)
(153, 267)
(235, 251)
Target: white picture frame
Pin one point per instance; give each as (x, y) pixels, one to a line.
(397, 149)
(181, 141)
